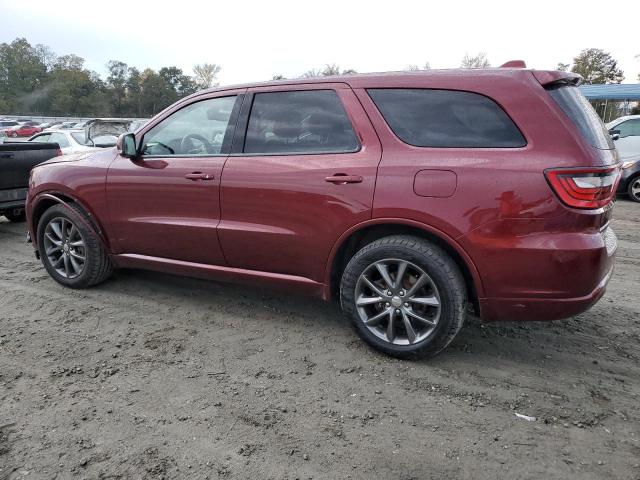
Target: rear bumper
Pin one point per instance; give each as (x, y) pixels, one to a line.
(531, 309)
(573, 285)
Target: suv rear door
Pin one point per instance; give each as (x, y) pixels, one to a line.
(302, 171)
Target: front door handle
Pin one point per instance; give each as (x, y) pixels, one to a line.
(342, 178)
(198, 176)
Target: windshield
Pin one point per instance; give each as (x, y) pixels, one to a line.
(579, 110)
(79, 137)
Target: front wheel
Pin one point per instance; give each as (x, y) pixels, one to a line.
(634, 189)
(70, 249)
(405, 296)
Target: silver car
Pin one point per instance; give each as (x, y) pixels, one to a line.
(70, 141)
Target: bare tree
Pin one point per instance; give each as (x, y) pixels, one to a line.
(478, 61)
(278, 77)
(329, 70)
(563, 67)
(415, 68)
(206, 74)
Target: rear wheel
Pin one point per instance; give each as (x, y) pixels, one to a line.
(70, 249)
(405, 296)
(634, 189)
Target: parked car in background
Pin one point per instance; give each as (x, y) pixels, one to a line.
(70, 141)
(630, 181)
(137, 124)
(16, 161)
(22, 131)
(46, 125)
(626, 135)
(409, 198)
(66, 125)
(7, 125)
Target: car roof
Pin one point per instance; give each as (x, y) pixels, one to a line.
(371, 80)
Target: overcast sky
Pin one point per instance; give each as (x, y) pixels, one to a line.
(258, 39)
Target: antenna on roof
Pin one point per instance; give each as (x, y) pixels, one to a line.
(514, 64)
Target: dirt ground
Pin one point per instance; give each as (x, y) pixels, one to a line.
(153, 376)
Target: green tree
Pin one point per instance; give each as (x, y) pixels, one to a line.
(597, 66)
(117, 83)
(22, 72)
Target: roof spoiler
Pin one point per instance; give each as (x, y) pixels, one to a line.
(555, 77)
(514, 64)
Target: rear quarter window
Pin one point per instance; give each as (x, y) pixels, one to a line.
(574, 104)
(446, 118)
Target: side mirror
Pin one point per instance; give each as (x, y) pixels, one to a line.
(127, 145)
(615, 134)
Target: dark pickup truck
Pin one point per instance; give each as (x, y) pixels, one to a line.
(16, 161)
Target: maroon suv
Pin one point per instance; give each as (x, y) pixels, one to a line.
(413, 198)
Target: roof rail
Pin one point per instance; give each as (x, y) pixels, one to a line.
(514, 64)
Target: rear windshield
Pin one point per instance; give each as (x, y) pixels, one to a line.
(582, 114)
(446, 118)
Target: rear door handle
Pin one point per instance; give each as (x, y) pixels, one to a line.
(342, 178)
(198, 176)
(6, 155)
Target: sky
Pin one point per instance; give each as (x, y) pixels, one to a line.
(255, 40)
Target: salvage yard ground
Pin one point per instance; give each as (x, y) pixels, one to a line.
(153, 376)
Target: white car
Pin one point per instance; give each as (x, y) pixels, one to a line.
(625, 132)
(70, 141)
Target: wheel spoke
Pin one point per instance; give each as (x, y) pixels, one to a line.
(56, 229)
(391, 330)
(75, 265)
(411, 333)
(368, 300)
(416, 286)
(58, 262)
(423, 320)
(376, 319)
(402, 268)
(384, 273)
(53, 249)
(76, 255)
(66, 264)
(433, 301)
(373, 286)
(77, 243)
(52, 240)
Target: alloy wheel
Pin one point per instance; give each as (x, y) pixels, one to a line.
(635, 189)
(397, 301)
(65, 247)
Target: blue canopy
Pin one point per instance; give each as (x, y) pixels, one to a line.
(615, 92)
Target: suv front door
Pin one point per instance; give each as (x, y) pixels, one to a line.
(166, 203)
(302, 172)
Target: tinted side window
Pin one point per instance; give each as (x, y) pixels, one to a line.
(446, 118)
(195, 130)
(311, 121)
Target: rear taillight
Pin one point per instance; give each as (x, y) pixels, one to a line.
(58, 152)
(588, 188)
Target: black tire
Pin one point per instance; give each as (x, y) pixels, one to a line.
(15, 216)
(634, 181)
(444, 276)
(97, 265)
